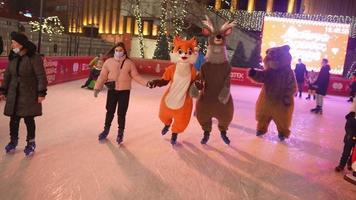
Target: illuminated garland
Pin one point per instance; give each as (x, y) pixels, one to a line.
(138, 18)
(179, 13)
(351, 70)
(51, 26)
(254, 21)
(162, 50)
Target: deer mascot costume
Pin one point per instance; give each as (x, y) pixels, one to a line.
(214, 83)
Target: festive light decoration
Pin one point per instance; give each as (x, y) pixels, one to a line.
(51, 26)
(137, 13)
(162, 49)
(351, 70)
(179, 13)
(254, 21)
(175, 11)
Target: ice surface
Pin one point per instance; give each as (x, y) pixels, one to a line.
(70, 163)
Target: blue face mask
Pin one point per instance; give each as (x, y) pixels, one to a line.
(118, 55)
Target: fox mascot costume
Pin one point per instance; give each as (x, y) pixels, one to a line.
(176, 104)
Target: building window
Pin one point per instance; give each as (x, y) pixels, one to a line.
(154, 30)
(61, 8)
(128, 25)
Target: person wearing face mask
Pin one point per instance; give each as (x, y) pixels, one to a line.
(24, 88)
(117, 74)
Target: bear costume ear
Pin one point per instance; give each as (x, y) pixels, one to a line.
(286, 47)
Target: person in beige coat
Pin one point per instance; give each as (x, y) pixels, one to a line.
(117, 74)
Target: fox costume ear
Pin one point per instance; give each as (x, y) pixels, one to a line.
(193, 41)
(176, 40)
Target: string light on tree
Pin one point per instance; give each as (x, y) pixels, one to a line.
(138, 18)
(51, 25)
(162, 49)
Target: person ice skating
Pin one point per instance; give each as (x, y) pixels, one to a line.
(349, 139)
(95, 68)
(176, 104)
(24, 88)
(352, 87)
(321, 85)
(275, 101)
(1, 45)
(300, 74)
(200, 58)
(351, 177)
(311, 89)
(117, 74)
(215, 100)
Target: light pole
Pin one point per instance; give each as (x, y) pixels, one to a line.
(40, 32)
(91, 38)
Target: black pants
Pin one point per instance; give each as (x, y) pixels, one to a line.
(14, 128)
(300, 87)
(117, 98)
(346, 154)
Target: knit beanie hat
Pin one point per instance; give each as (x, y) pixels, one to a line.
(19, 38)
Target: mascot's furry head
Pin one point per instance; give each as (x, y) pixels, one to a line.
(183, 51)
(217, 40)
(277, 58)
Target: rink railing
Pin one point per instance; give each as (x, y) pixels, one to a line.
(63, 69)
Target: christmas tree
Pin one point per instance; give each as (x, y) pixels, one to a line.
(255, 58)
(162, 51)
(239, 58)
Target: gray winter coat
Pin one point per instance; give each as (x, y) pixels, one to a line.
(24, 81)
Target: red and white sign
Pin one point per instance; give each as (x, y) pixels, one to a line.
(63, 69)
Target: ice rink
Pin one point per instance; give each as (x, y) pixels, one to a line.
(70, 163)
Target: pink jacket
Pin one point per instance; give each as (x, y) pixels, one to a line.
(111, 72)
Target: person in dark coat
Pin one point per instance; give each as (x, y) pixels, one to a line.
(1, 45)
(352, 87)
(321, 84)
(24, 88)
(300, 74)
(349, 140)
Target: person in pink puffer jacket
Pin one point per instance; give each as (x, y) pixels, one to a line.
(117, 74)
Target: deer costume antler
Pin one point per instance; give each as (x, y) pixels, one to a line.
(208, 23)
(228, 25)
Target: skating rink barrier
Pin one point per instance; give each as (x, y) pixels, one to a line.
(63, 69)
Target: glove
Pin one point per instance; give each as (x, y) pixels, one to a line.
(151, 84)
(350, 115)
(199, 84)
(252, 72)
(158, 82)
(96, 92)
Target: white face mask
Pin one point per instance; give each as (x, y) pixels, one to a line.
(16, 50)
(118, 55)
